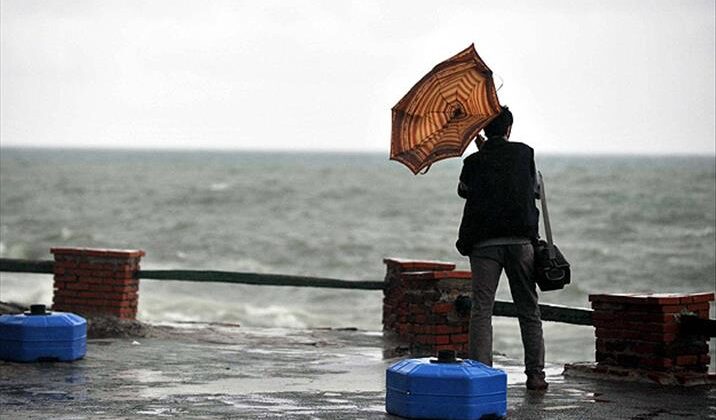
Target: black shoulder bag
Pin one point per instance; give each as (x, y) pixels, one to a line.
(551, 268)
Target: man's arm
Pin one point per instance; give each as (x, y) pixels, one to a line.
(536, 186)
(462, 188)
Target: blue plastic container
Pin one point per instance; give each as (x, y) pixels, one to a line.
(39, 335)
(449, 389)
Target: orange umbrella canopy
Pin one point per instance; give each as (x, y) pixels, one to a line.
(444, 111)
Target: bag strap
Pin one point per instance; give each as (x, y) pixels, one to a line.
(545, 215)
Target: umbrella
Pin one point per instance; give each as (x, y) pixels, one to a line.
(444, 111)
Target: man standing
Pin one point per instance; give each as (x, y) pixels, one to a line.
(499, 224)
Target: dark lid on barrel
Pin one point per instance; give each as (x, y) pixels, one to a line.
(446, 356)
(37, 310)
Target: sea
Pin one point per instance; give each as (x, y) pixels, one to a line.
(625, 223)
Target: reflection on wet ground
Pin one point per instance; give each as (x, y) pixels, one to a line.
(224, 371)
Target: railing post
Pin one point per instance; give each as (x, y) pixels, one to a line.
(640, 337)
(97, 281)
(419, 306)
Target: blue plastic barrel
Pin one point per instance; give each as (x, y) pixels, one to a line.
(39, 335)
(446, 388)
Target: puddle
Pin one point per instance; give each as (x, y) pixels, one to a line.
(561, 407)
(146, 376)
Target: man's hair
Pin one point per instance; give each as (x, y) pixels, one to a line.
(499, 125)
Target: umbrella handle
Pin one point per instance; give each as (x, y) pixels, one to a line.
(427, 168)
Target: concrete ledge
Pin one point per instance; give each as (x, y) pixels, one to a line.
(591, 370)
(221, 371)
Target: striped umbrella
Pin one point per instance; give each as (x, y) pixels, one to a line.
(444, 111)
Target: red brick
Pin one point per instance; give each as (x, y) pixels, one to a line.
(442, 308)
(123, 273)
(702, 297)
(447, 329)
(606, 324)
(659, 337)
(640, 298)
(98, 252)
(110, 296)
(665, 309)
(127, 314)
(88, 266)
(65, 293)
(642, 349)
(424, 339)
(459, 338)
(603, 316)
(66, 264)
(106, 288)
(111, 303)
(687, 360)
(97, 280)
(69, 267)
(436, 275)
(671, 327)
(442, 339)
(618, 334)
(444, 347)
(83, 273)
(652, 317)
(74, 300)
(65, 277)
(102, 274)
(656, 362)
(608, 307)
(661, 298)
(611, 345)
(415, 265)
(77, 286)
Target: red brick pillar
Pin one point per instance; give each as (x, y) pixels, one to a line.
(97, 281)
(419, 306)
(642, 331)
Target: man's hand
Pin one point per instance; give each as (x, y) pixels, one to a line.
(462, 189)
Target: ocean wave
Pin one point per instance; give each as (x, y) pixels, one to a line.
(28, 251)
(219, 186)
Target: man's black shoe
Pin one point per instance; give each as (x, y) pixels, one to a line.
(536, 382)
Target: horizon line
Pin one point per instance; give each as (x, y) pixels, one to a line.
(327, 151)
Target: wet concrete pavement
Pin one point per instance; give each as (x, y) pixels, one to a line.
(214, 371)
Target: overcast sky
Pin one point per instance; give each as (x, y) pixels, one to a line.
(606, 76)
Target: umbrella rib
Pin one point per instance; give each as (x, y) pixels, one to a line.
(441, 84)
(440, 91)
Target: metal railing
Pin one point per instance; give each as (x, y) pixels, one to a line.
(555, 313)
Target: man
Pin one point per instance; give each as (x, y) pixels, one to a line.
(499, 225)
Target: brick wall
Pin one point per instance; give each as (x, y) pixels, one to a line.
(643, 331)
(419, 306)
(96, 281)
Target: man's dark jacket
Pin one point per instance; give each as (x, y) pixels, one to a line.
(498, 183)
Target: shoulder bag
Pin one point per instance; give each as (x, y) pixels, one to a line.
(552, 271)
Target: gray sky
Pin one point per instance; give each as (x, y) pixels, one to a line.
(606, 76)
